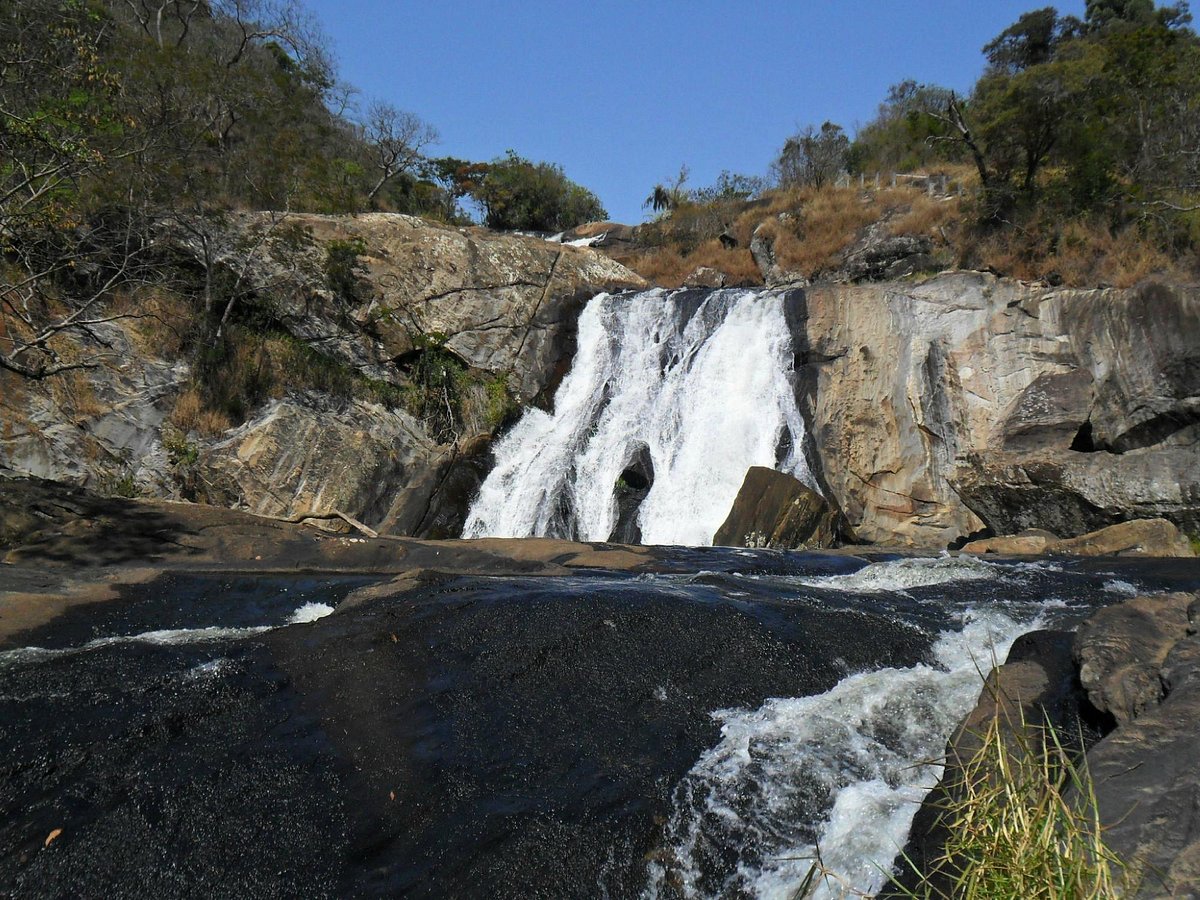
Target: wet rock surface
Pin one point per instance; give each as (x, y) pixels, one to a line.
(773, 509)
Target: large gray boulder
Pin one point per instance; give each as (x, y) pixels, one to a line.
(773, 509)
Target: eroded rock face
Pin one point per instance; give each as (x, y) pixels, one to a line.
(505, 305)
(300, 456)
(500, 302)
(773, 509)
(965, 402)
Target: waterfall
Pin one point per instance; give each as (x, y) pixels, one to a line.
(698, 384)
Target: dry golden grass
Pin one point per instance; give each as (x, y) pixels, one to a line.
(928, 216)
(811, 229)
(160, 322)
(191, 414)
(1080, 253)
(820, 225)
(667, 267)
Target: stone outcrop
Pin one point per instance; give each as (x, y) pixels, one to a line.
(964, 402)
(773, 509)
(1127, 684)
(500, 302)
(296, 457)
(880, 256)
(504, 305)
(1121, 651)
(1139, 537)
(1146, 771)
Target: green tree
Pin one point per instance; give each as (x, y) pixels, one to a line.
(903, 135)
(517, 194)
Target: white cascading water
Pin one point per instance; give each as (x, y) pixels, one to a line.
(869, 746)
(707, 395)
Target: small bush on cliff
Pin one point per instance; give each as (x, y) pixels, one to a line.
(343, 269)
(450, 399)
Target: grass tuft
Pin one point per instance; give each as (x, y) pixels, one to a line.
(1023, 824)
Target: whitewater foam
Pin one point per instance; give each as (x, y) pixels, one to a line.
(310, 612)
(705, 396)
(163, 637)
(900, 574)
(864, 753)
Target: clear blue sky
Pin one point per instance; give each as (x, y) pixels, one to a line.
(620, 93)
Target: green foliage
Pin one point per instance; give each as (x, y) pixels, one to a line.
(517, 194)
(1024, 824)
(906, 134)
(343, 269)
(255, 362)
(731, 186)
(180, 451)
(122, 485)
(449, 398)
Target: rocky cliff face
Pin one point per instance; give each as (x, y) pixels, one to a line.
(967, 402)
(504, 306)
(938, 409)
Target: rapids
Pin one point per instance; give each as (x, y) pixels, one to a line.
(695, 731)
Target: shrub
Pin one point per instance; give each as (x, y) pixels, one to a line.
(520, 195)
(343, 269)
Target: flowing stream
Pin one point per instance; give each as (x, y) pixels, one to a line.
(689, 388)
(692, 732)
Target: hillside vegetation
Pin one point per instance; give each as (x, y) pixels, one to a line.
(123, 119)
(1075, 158)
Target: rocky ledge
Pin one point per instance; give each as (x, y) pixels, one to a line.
(503, 307)
(1125, 688)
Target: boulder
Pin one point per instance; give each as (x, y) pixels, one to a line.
(1141, 662)
(1031, 542)
(880, 256)
(762, 248)
(706, 277)
(1121, 651)
(307, 455)
(1139, 537)
(773, 509)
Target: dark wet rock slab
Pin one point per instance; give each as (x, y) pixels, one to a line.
(532, 735)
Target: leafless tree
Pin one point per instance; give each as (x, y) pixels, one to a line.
(396, 139)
